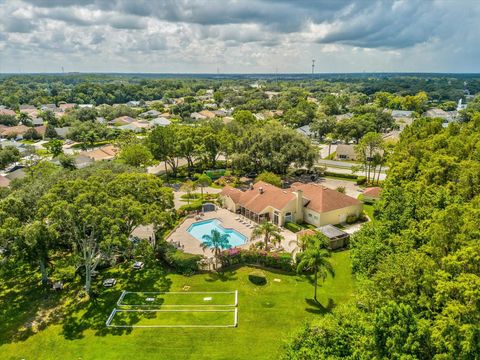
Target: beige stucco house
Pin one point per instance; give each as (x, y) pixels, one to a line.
(310, 203)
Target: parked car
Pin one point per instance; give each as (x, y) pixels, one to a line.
(109, 282)
(138, 265)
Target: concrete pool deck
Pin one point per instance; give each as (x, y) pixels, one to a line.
(227, 218)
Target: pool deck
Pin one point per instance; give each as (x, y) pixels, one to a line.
(193, 246)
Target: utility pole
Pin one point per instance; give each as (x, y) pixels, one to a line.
(313, 66)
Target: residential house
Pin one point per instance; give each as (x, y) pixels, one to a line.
(46, 107)
(305, 131)
(208, 114)
(136, 126)
(36, 121)
(107, 152)
(27, 107)
(197, 116)
(372, 194)
(14, 131)
(401, 114)
(310, 203)
(6, 111)
(133, 103)
(121, 120)
(439, 113)
(82, 160)
(66, 106)
(160, 121)
(150, 113)
(345, 152)
(18, 173)
(4, 181)
(62, 132)
(85, 106)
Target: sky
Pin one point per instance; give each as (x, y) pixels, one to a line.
(239, 36)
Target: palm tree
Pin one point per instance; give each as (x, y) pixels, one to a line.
(216, 241)
(315, 258)
(270, 233)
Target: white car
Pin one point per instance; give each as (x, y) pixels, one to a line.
(138, 265)
(109, 282)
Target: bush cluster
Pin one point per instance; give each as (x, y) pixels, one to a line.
(236, 256)
(293, 227)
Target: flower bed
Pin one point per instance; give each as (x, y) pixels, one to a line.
(273, 260)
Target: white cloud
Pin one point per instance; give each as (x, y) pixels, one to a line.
(239, 36)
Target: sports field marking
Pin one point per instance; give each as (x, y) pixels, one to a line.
(173, 318)
(178, 299)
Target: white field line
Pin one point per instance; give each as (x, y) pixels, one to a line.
(236, 298)
(120, 299)
(173, 326)
(110, 318)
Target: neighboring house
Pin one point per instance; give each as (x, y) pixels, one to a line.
(121, 120)
(136, 126)
(20, 146)
(160, 121)
(220, 112)
(65, 106)
(107, 152)
(372, 194)
(85, 106)
(439, 113)
(19, 173)
(133, 103)
(36, 121)
(305, 131)
(14, 131)
(4, 181)
(343, 117)
(82, 161)
(7, 112)
(46, 107)
(62, 132)
(401, 114)
(259, 116)
(345, 152)
(27, 107)
(310, 203)
(208, 114)
(271, 94)
(101, 120)
(150, 113)
(197, 116)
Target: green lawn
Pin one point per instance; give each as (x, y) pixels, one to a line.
(267, 315)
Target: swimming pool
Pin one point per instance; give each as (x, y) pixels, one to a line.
(198, 229)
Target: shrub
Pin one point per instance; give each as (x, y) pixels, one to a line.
(269, 178)
(361, 180)
(182, 262)
(351, 219)
(257, 278)
(293, 227)
(237, 256)
(340, 175)
(194, 206)
(341, 189)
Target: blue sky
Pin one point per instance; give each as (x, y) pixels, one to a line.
(239, 36)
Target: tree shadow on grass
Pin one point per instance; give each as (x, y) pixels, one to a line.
(92, 314)
(316, 307)
(221, 276)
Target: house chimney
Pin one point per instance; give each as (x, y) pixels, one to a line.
(299, 205)
(260, 190)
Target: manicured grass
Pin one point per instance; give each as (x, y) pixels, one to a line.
(267, 314)
(368, 208)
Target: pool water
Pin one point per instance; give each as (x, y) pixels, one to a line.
(198, 229)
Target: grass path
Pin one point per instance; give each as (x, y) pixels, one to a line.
(268, 314)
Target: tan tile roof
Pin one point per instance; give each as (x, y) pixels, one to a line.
(4, 182)
(7, 112)
(107, 152)
(373, 192)
(305, 232)
(232, 193)
(15, 130)
(263, 195)
(209, 114)
(322, 199)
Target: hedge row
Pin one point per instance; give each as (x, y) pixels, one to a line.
(236, 256)
(293, 227)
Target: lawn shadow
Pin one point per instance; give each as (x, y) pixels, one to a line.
(221, 276)
(92, 314)
(315, 307)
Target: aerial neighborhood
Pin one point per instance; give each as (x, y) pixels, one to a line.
(174, 196)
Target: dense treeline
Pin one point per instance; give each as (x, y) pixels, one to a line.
(113, 89)
(418, 263)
